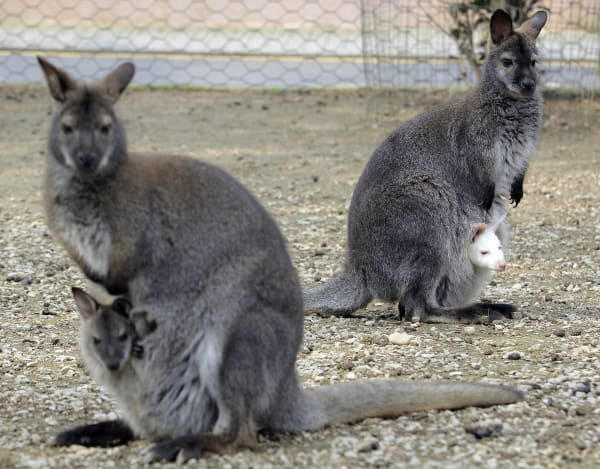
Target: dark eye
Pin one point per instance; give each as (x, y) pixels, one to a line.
(507, 62)
(533, 62)
(105, 129)
(123, 337)
(67, 129)
(96, 340)
(485, 253)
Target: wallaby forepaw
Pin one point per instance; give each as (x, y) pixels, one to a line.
(137, 350)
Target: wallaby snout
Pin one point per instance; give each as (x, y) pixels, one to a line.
(527, 85)
(87, 161)
(501, 266)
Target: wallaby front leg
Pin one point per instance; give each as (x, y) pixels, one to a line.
(103, 434)
(516, 190)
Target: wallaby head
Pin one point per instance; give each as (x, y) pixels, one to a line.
(86, 137)
(485, 249)
(111, 331)
(511, 64)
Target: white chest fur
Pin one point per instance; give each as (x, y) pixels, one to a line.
(87, 235)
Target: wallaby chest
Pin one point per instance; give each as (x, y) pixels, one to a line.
(74, 215)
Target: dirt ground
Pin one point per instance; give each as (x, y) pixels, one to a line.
(301, 153)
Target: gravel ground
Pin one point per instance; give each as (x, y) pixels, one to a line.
(301, 153)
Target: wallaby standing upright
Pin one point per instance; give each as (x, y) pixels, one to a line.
(188, 244)
(431, 180)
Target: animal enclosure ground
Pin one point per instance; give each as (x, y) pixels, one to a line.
(301, 154)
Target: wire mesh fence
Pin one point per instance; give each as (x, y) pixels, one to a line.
(286, 43)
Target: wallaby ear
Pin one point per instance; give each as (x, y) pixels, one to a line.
(494, 226)
(116, 81)
(143, 323)
(121, 306)
(532, 27)
(86, 304)
(59, 81)
(479, 230)
(500, 26)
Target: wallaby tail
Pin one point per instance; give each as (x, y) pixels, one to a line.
(353, 401)
(339, 296)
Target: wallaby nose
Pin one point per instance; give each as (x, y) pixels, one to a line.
(112, 366)
(501, 267)
(528, 85)
(87, 161)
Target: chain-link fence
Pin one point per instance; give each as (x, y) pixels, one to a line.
(265, 43)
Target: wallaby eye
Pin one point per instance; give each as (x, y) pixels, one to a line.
(533, 62)
(96, 340)
(485, 253)
(507, 62)
(123, 337)
(105, 129)
(67, 129)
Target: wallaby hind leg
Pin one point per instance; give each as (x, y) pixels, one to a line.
(193, 447)
(103, 434)
(476, 313)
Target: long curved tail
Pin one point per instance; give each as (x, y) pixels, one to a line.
(338, 296)
(353, 401)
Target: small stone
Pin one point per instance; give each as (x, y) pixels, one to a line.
(400, 338)
(583, 410)
(485, 431)
(14, 277)
(347, 365)
(381, 340)
(560, 333)
(469, 330)
(585, 386)
(514, 356)
(576, 332)
(367, 445)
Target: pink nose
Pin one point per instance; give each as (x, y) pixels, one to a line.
(501, 266)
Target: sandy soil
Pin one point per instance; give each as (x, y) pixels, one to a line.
(301, 153)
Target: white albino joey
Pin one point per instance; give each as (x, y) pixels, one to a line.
(485, 249)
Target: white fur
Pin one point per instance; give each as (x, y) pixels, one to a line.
(485, 251)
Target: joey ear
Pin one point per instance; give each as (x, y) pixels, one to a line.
(60, 83)
(500, 26)
(121, 306)
(532, 27)
(86, 304)
(479, 230)
(116, 81)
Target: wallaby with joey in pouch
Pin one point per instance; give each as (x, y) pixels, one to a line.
(431, 180)
(189, 245)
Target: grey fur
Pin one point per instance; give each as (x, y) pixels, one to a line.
(431, 180)
(189, 245)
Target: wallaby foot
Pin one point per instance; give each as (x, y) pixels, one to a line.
(193, 447)
(476, 313)
(103, 434)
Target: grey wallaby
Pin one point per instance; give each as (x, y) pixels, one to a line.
(431, 180)
(187, 243)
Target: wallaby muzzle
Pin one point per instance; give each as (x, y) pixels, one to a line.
(86, 161)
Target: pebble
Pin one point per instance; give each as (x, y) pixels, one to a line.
(381, 340)
(585, 387)
(560, 333)
(400, 338)
(367, 445)
(469, 330)
(514, 355)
